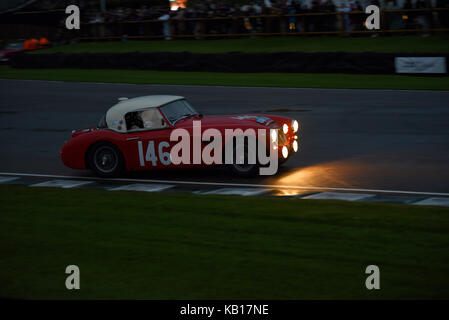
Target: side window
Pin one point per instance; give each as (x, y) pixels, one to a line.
(133, 121)
(150, 119)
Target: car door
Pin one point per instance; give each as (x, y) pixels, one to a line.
(149, 147)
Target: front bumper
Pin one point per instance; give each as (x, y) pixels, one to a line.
(287, 141)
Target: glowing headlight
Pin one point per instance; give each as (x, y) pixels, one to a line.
(295, 145)
(285, 128)
(295, 125)
(284, 152)
(274, 135)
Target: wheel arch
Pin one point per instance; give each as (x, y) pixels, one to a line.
(99, 142)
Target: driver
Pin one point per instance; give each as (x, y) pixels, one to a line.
(133, 121)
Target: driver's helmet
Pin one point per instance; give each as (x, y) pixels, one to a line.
(133, 120)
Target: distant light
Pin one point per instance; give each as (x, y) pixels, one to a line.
(284, 152)
(178, 4)
(285, 128)
(404, 17)
(295, 145)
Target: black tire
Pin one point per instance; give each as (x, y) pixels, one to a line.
(105, 160)
(244, 170)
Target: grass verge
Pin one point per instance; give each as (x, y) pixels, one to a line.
(408, 44)
(287, 80)
(133, 245)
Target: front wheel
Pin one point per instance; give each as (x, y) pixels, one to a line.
(245, 169)
(106, 160)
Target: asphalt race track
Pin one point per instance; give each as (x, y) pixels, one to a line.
(368, 139)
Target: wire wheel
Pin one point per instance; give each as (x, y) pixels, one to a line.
(106, 160)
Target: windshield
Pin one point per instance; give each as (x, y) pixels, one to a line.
(178, 110)
(102, 123)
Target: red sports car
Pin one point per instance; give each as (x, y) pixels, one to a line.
(142, 133)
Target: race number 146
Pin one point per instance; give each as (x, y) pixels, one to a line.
(150, 154)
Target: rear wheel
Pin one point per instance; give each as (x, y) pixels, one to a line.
(106, 160)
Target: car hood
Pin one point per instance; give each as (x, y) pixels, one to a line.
(229, 121)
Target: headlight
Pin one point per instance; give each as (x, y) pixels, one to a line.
(274, 135)
(295, 125)
(284, 152)
(285, 128)
(295, 145)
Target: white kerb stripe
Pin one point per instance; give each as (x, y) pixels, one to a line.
(143, 187)
(238, 191)
(339, 196)
(434, 201)
(7, 179)
(61, 184)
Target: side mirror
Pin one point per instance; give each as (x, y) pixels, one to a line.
(163, 122)
(200, 115)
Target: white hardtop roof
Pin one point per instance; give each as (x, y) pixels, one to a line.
(117, 112)
(144, 102)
